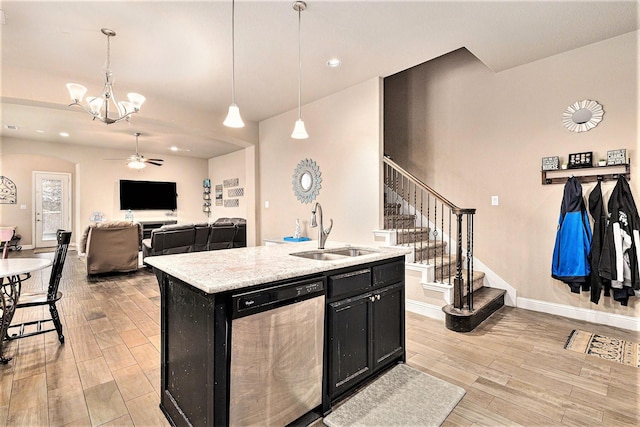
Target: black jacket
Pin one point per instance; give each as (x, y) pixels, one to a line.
(596, 209)
(619, 256)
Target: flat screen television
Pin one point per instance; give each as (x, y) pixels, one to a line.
(148, 195)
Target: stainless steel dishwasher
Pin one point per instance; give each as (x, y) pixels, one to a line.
(277, 337)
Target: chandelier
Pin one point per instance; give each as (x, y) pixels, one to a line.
(100, 106)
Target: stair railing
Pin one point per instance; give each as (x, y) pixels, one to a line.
(423, 220)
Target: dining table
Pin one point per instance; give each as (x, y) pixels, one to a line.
(13, 271)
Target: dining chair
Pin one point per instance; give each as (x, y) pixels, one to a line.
(6, 234)
(50, 297)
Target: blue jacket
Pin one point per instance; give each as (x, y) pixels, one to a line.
(573, 239)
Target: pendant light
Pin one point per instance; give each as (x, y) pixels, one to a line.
(233, 119)
(299, 131)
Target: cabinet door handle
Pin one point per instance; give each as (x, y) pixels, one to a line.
(378, 297)
(372, 298)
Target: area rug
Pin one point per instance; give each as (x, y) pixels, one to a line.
(403, 396)
(613, 349)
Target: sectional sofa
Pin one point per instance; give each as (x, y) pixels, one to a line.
(224, 233)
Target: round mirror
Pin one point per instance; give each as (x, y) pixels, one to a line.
(582, 116)
(306, 181)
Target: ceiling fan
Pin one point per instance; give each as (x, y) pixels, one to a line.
(138, 161)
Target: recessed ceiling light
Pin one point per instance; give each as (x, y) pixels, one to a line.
(174, 148)
(334, 63)
(65, 134)
(39, 131)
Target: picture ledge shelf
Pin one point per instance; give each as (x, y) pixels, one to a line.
(589, 174)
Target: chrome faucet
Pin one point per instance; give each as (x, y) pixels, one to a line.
(322, 233)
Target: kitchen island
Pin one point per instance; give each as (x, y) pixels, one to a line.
(258, 335)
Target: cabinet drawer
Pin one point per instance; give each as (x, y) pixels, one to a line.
(387, 274)
(348, 283)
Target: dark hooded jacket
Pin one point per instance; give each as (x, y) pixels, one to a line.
(619, 258)
(596, 209)
(570, 262)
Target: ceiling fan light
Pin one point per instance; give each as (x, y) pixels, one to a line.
(299, 131)
(136, 100)
(136, 164)
(76, 91)
(95, 104)
(233, 119)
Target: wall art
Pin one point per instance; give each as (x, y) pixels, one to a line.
(8, 191)
(218, 194)
(617, 157)
(233, 182)
(231, 203)
(235, 192)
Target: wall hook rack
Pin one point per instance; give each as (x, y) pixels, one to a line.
(586, 175)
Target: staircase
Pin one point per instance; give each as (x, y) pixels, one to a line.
(441, 238)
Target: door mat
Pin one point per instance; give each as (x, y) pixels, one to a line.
(614, 349)
(403, 396)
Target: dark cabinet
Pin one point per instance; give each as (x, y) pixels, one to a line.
(365, 331)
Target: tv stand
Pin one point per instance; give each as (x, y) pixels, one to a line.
(148, 226)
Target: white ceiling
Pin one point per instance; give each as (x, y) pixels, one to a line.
(178, 54)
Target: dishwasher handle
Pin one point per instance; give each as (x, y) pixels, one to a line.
(276, 296)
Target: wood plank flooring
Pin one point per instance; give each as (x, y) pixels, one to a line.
(513, 367)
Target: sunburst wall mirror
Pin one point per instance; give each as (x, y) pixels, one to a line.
(582, 116)
(306, 181)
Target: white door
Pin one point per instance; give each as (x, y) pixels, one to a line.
(52, 206)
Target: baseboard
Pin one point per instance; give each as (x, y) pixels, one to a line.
(593, 316)
(424, 309)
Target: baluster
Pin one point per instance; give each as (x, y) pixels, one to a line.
(429, 225)
(435, 237)
(421, 227)
(449, 250)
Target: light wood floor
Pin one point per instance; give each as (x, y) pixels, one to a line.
(513, 367)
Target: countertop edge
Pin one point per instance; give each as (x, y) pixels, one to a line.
(232, 269)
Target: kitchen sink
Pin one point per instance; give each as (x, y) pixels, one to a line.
(352, 251)
(334, 254)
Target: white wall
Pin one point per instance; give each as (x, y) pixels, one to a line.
(472, 134)
(239, 164)
(344, 141)
(96, 181)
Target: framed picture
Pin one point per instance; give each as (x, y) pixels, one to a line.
(218, 194)
(550, 163)
(617, 157)
(580, 160)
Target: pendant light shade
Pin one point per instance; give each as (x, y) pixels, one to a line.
(233, 119)
(299, 131)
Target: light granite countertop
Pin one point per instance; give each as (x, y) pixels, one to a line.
(229, 269)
